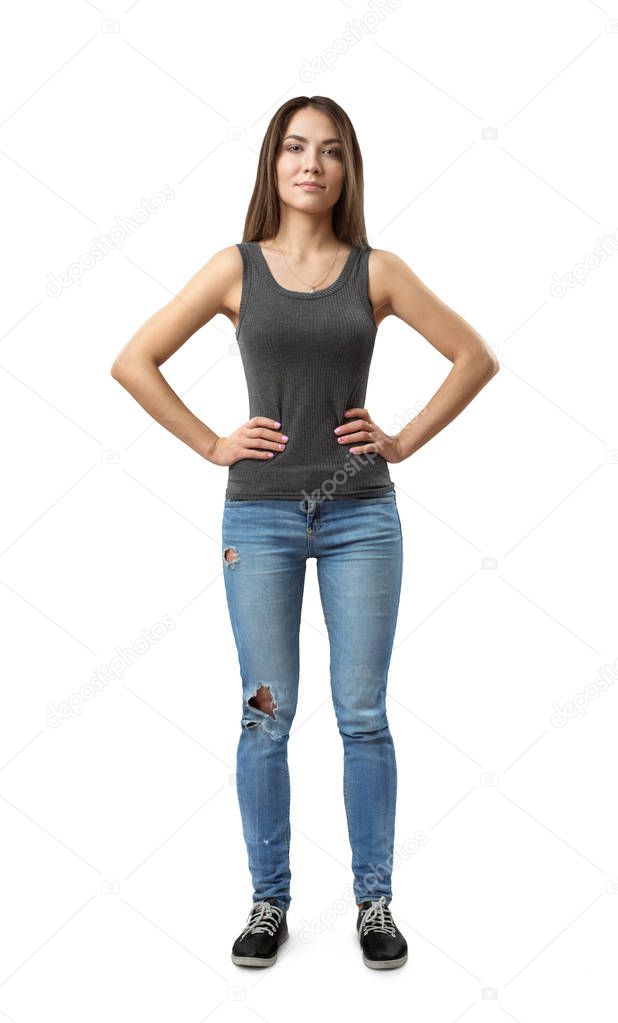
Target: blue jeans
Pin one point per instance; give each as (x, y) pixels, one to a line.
(357, 543)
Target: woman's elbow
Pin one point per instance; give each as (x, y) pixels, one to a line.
(118, 370)
(494, 365)
(489, 360)
(123, 368)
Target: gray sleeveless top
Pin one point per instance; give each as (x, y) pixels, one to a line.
(306, 357)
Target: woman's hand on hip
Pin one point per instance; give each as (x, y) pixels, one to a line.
(257, 438)
(366, 436)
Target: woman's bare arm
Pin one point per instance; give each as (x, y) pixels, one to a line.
(396, 290)
(136, 366)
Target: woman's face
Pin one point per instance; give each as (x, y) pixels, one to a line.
(315, 154)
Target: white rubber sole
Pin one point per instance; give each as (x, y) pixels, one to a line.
(386, 964)
(257, 960)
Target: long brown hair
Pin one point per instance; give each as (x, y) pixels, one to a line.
(263, 214)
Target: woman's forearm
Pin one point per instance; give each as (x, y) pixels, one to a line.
(466, 378)
(145, 382)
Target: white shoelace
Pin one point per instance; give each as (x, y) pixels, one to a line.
(264, 918)
(378, 917)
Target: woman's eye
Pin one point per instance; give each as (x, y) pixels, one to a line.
(295, 145)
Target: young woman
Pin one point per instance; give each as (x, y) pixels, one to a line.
(308, 477)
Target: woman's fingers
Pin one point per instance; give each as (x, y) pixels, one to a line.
(263, 437)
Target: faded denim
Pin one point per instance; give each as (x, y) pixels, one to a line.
(358, 546)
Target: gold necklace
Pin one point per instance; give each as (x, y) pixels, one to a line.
(312, 287)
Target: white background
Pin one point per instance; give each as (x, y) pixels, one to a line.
(124, 873)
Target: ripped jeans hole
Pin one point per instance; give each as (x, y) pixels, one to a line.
(264, 701)
(230, 556)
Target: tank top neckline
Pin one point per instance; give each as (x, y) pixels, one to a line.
(321, 292)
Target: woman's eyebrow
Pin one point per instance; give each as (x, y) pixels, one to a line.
(302, 139)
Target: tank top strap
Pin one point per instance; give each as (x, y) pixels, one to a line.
(359, 279)
(250, 280)
(359, 273)
(252, 264)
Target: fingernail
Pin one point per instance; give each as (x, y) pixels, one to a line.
(277, 424)
(338, 429)
(285, 438)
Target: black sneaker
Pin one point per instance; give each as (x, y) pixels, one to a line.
(265, 930)
(384, 946)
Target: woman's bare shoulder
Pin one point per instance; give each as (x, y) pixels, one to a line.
(384, 268)
(383, 264)
(227, 266)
